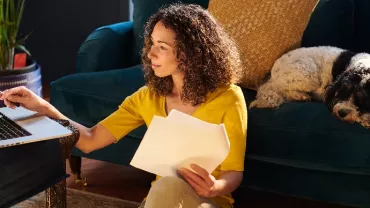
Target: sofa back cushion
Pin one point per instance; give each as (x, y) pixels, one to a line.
(340, 23)
(362, 25)
(143, 9)
(264, 30)
(332, 24)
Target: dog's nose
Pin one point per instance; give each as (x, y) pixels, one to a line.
(343, 112)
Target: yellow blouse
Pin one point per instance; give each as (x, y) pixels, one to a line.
(226, 105)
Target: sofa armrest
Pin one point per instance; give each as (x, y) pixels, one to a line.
(108, 47)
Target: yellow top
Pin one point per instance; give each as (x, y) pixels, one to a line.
(226, 105)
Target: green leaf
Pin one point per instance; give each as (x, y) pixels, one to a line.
(23, 39)
(20, 9)
(10, 18)
(22, 48)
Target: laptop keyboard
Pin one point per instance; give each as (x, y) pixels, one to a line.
(10, 130)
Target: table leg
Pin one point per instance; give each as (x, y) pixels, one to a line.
(56, 195)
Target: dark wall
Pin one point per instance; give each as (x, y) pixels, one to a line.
(59, 28)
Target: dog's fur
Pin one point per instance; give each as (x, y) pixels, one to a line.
(338, 77)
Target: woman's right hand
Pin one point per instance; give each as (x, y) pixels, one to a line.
(26, 98)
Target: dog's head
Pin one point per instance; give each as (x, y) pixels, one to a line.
(349, 95)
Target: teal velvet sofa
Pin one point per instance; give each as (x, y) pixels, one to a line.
(298, 150)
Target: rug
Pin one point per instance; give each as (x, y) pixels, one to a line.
(80, 199)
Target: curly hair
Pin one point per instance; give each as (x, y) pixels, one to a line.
(207, 56)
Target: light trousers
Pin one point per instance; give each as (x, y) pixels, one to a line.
(172, 192)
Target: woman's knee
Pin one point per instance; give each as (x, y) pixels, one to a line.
(170, 183)
(166, 192)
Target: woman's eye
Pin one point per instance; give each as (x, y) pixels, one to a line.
(163, 48)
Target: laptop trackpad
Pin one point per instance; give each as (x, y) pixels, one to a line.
(44, 126)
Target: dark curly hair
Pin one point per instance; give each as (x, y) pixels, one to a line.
(207, 55)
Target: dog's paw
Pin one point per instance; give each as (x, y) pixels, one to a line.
(363, 123)
(253, 104)
(262, 104)
(298, 96)
(366, 125)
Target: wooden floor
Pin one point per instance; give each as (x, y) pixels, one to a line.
(133, 184)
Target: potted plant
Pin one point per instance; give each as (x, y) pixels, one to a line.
(17, 67)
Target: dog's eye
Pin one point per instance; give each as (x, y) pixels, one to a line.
(333, 102)
(344, 92)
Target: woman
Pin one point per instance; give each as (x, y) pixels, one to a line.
(191, 65)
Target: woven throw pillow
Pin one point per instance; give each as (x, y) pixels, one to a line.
(263, 29)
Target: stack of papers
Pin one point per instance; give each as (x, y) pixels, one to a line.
(179, 141)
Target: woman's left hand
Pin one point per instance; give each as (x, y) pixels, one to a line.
(203, 183)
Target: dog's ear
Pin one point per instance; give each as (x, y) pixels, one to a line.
(341, 88)
(341, 63)
(330, 95)
(346, 85)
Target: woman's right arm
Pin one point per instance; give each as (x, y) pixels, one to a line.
(90, 139)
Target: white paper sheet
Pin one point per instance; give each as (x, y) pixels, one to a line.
(178, 141)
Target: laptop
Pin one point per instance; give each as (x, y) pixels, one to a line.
(21, 126)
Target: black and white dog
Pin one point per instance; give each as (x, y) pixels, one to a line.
(338, 77)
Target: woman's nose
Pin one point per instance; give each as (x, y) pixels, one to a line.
(151, 54)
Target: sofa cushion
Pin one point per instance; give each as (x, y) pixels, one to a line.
(336, 187)
(90, 97)
(306, 135)
(331, 23)
(143, 9)
(264, 30)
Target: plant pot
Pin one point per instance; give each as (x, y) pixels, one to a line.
(29, 76)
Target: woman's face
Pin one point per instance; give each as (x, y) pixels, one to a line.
(162, 53)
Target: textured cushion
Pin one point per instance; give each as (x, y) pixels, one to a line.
(332, 23)
(143, 9)
(263, 29)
